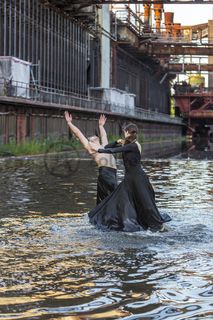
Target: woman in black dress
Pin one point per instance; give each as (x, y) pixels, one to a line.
(131, 207)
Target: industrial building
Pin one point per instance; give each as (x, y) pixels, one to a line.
(90, 57)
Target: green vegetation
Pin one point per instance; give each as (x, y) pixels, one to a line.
(33, 147)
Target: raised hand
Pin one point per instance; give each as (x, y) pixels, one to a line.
(102, 120)
(68, 116)
(120, 141)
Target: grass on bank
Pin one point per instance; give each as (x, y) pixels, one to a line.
(35, 146)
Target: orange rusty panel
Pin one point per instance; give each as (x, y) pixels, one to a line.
(178, 67)
(201, 114)
(176, 30)
(168, 21)
(183, 103)
(12, 127)
(168, 17)
(158, 6)
(21, 128)
(2, 129)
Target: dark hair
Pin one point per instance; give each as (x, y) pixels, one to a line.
(132, 130)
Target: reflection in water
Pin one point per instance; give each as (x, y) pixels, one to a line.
(55, 265)
(201, 147)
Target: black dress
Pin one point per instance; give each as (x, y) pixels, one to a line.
(107, 182)
(131, 206)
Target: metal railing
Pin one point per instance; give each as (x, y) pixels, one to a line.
(186, 89)
(19, 90)
(128, 17)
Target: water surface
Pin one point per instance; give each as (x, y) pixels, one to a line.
(55, 265)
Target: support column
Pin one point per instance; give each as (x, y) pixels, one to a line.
(104, 21)
(210, 58)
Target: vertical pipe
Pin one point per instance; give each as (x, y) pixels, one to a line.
(80, 60)
(20, 30)
(15, 30)
(63, 37)
(44, 30)
(58, 52)
(55, 49)
(32, 36)
(76, 57)
(70, 54)
(24, 31)
(10, 34)
(73, 65)
(48, 48)
(51, 48)
(1, 29)
(5, 27)
(61, 52)
(29, 27)
(41, 45)
(66, 55)
(36, 41)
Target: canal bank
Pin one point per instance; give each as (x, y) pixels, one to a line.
(22, 119)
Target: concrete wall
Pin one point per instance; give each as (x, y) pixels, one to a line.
(21, 122)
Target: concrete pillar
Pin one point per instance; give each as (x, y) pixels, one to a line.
(104, 21)
(210, 59)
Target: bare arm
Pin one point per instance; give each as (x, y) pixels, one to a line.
(77, 132)
(101, 122)
(127, 148)
(115, 148)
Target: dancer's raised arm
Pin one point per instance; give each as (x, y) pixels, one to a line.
(103, 134)
(77, 132)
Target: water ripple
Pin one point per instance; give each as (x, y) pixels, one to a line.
(55, 265)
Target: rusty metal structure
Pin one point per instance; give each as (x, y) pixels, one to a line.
(67, 3)
(62, 43)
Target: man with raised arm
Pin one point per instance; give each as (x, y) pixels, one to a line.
(107, 178)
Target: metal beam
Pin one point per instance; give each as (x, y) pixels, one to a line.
(179, 67)
(91, 2)
(175, 50)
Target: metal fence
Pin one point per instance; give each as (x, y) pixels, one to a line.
(57, 48)
(41, 94)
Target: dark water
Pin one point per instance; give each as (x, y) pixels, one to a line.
(55, 265)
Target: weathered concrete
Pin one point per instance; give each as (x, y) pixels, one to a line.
(33, 121)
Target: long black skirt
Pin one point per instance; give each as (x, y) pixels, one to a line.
(130, 207)
(107, 182)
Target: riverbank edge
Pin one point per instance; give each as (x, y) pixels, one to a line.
(81, 151)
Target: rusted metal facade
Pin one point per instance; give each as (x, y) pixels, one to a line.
(60, 50)
(42, 123)
(136, 77)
